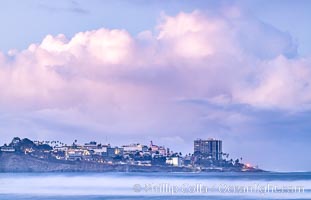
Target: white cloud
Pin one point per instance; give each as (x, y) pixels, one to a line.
(132, 84)
(197, 75)
(279, 83)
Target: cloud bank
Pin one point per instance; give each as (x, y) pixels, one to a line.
(196, 74)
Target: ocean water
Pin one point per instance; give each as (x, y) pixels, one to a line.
(155, 186)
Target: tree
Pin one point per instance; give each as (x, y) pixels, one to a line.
(237, 161)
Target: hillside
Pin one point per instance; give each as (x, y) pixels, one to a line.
(14, 162)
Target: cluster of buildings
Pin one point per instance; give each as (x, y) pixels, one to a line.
(207, 152)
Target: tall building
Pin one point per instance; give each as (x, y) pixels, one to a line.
(211, 148)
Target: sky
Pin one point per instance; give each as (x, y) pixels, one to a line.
(126, 71)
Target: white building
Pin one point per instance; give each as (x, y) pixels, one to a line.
(76, 154)
(7, 149)
(175, 161)
(100, 151)
(134, 148)
(61, 148)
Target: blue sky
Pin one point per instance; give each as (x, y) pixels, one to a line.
(26, 22)
(168, 71)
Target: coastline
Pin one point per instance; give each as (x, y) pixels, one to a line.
(20, 163)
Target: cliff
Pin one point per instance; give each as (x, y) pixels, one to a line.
(14, 162)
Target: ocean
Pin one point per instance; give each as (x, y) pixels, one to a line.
(155, 186)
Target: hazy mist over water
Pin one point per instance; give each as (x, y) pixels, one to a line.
(154, 186)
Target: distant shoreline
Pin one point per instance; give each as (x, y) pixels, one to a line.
(20, 163)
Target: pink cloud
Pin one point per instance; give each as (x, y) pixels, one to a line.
(128, 83)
